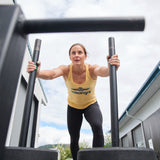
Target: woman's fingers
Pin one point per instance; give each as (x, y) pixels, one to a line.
(114, 60)
(31, 67)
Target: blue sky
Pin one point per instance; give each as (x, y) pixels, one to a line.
(138, 52)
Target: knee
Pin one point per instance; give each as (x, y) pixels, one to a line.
(97, 129)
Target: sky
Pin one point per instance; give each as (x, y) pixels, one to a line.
(137, 51)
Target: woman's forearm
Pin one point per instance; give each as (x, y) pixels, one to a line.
(45, 74)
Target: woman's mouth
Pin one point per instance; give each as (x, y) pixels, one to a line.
(76, 60)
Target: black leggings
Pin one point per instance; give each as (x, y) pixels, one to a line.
(74, 119)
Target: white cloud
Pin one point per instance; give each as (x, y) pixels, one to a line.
(32, 9)
(84, 9)
(51, 135)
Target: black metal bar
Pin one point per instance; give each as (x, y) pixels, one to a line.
(113, 97)
(12, 47)
(36, 102)
(29, 97)
(83, 25)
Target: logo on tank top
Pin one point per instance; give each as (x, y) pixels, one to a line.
(80, 90)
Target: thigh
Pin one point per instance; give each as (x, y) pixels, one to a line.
(74, 121)
(93, 115)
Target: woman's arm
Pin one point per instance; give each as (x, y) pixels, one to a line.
(47, 74)
(103, 71)
(50, 74)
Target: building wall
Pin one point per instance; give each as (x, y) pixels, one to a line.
(147, 118)
(152, 131)
(151, 106)
(17, 119)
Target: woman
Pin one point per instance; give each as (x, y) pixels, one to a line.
(80, 79)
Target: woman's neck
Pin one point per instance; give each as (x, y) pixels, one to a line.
(78, 68)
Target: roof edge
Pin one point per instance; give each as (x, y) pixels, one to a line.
(147, 83)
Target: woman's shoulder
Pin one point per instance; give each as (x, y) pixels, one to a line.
(91, 67)
(65, 68)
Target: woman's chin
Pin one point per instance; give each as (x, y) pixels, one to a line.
(77, 62)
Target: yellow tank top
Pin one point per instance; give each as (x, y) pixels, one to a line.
(80, 96)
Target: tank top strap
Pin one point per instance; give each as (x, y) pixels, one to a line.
(70, 72)
(87, 71)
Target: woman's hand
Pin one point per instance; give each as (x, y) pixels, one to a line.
(114, 60)
(31, 66)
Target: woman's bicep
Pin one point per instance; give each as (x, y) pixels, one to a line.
(57, 72)
(101, 71)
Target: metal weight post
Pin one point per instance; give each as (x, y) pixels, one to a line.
(29, 97)
(113, 97)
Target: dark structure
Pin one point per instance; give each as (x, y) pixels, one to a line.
(116, 153)
(29, 96)
(113, 97)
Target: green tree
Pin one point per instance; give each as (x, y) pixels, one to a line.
(68, 153)
(64, 152)
(83, 145)
(107, 140)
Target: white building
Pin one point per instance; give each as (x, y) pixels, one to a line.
(139, 125)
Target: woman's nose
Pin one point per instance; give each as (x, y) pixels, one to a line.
(76, 54)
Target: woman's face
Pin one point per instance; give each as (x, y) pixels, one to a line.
(77, 55)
